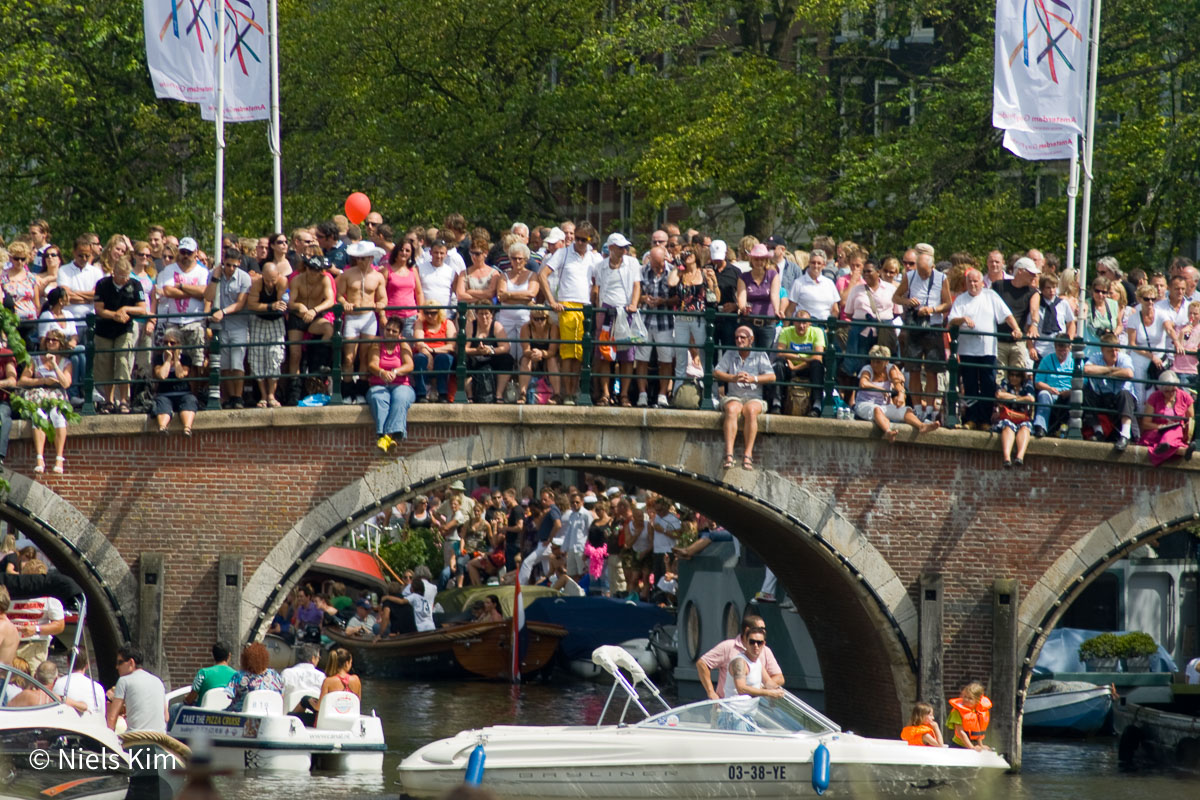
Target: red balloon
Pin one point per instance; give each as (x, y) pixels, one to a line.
(358, 205)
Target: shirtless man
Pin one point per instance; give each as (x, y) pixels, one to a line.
(10, 637)
(360, 287)
(46, 674)
(309, 312)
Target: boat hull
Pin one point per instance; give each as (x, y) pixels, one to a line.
(481, 650)
(75, 767)
(280, 743)
(625, 762)
(1082, 713)
(1163, 736)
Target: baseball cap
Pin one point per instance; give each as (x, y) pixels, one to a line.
(612, 490)
(555, 236)
(590, 498)
(616, 239)
(775, 241)
(189, 244)
(558, 541)
(716, 250)
(362, 603)
(1027, 264)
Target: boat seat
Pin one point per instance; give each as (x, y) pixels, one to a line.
(338, 711)
(263, 702)
(216, 699)
(293, 698)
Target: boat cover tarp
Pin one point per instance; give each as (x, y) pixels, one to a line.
(594, 621)
(1061, 653)
(454, 601)
(53, 584)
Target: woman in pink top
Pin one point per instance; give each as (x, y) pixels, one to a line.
(1189, 336)
(1165, 424)
(403, 285)
(390, 393)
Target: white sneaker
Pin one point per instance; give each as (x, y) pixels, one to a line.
(663, 402)
(643, 400)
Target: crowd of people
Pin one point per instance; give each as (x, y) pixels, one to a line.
(535, 295)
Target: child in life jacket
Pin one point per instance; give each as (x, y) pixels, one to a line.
(969, 716)
(922, 729)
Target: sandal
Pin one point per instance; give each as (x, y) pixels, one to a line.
(59, 461)
(162, 431)
(273, 403)
(625, 402)
(521, 399)
(747, 463)
(728, 462)
(555, 399)
(123, 408)
(187, 432)
(261, 404)
(41, 465)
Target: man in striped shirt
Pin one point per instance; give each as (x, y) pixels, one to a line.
(37, 619)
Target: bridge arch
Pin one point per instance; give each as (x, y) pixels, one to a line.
(1150, 517)
(856, 608)
(80, 550)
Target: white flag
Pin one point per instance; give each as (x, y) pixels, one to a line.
(180, 43)
(1042, 145)
(1041, 64)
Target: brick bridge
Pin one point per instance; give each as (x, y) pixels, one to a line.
(916, 567)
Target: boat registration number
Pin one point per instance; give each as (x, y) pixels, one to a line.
(757, 772)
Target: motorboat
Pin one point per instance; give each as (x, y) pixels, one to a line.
(263, 737)
(473, 650)
(52, 751)
(1067, 708)
(734, 747)
(639, 648)
(595, 621)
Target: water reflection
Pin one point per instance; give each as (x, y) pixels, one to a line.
(415, 714)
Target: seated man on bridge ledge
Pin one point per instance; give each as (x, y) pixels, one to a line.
(743, 372)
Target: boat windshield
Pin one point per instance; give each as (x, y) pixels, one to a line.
(774, 716)
(12, 681)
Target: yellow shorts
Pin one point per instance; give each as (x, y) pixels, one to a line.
(570, 330)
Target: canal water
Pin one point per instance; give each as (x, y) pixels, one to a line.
(415, 714)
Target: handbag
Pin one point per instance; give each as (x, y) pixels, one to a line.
(607, 351)
(1006, 414)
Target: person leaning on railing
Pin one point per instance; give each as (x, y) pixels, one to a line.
(977, 312)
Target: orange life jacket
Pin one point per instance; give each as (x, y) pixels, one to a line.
(975, 718)
(914, 734)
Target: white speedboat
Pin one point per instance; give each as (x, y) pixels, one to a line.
(53, 751)
(737, 747)
(262, 736)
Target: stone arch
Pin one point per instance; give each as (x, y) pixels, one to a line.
(855, 606)
(1150, 517)
(83, 552)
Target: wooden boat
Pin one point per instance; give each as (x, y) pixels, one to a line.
(1165, 733)
(478, 650)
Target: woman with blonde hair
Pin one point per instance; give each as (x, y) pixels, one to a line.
(118, 247)
(880, 397)
(1068, 288)
(433, 348)
(20, 284)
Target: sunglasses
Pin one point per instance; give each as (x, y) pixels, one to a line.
(584, 239)
(17, 259)
(54, 255)
(476, 252)
(756, 642)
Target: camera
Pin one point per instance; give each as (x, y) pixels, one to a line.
(316, 262)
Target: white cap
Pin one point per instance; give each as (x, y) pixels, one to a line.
(616, 239)
(189, 244)
(716, 250)
(555, 236)
(558, 541)
(364, 249)
(610, 491)
(590, 498)
(1027, 264)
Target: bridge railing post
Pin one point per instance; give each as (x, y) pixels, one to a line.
(89, 356)
(831, 358)
(1075, 419)
(335, 358)
(584, 396)
(214, 373)
(950, 406)
(710, 357)
(460, 354)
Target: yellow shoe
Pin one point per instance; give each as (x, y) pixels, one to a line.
(385, 442)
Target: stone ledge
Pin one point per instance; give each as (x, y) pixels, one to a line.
(641, 418)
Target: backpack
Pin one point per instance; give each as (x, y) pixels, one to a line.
(687, 396)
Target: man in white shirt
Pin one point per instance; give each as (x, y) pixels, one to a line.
(616, 289)
(1174, 307)
(79, 687)
(924, 295)
(78, 278)
(575, 524)
(666, 532)
(304, 677)
(814, 292)
(979, 310)
(438, 274)
(180, 289)
(573, 267)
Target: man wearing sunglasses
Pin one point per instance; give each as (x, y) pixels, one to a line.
(721, 657)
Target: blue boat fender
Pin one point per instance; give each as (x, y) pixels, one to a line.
(820, 769)
(475, 766)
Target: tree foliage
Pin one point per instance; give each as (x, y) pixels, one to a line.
(756, 114)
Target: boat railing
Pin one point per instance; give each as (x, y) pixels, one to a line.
(613, 659)
(9, 674)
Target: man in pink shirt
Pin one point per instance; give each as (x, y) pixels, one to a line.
(719, 657)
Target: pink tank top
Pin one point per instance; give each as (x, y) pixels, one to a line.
(401, 291)
(390, 358)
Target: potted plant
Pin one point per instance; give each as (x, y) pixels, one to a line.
(1136, 649)
(1101, 653)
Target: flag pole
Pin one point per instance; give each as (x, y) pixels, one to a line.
(219, 205)
(273, 128)
(1088, 142)
(1072, 193)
